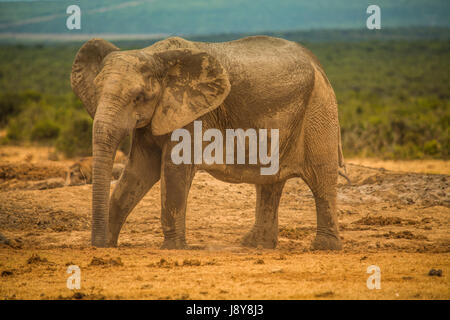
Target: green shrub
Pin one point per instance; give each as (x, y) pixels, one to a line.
(14, 132)
(432, 148)
(76, 138)
(10, 105)
(44, 131)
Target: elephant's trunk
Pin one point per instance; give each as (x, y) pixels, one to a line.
(107, 135)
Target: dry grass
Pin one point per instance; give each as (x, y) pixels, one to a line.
(418, 166)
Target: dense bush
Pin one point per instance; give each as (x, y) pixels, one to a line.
(76, 138)
(417, 129)
(393, 97)
(44, 130)
(11, 104)
(53, 120)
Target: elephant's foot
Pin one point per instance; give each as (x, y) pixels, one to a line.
(259, 237)
(112, 243)
(326, 242)
(113, 239)
(172, 244)
(98, 244)
(102, 243)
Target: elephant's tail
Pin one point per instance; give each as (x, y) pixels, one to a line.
(340, 154)
(341, 162)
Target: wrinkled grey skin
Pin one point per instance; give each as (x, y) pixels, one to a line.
(255, 82)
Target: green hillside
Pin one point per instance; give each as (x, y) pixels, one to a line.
(394, 95)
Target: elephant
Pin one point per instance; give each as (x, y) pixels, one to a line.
(254, 82)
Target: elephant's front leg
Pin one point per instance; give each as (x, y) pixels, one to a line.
(140, 174)
(265, 230)
(175, 184)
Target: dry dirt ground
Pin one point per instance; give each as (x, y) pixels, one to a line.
(394, 219)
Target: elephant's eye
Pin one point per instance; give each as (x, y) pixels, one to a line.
(139, 98)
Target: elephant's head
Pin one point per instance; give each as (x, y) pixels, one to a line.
(163, 90)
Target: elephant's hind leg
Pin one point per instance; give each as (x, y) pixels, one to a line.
(320, 172)
(321, 160)
(140, 174)
(265, 231)
(322, 184)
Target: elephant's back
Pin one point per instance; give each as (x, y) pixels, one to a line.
(265, 62)
(254, 46)
(253, 57)
(259, 43)
(260, 53)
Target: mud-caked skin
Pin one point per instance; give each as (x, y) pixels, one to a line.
(257, 82)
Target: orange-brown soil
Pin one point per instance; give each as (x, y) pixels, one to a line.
(397, 219)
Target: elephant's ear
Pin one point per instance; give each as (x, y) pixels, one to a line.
(85, 68)
(194, 84)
